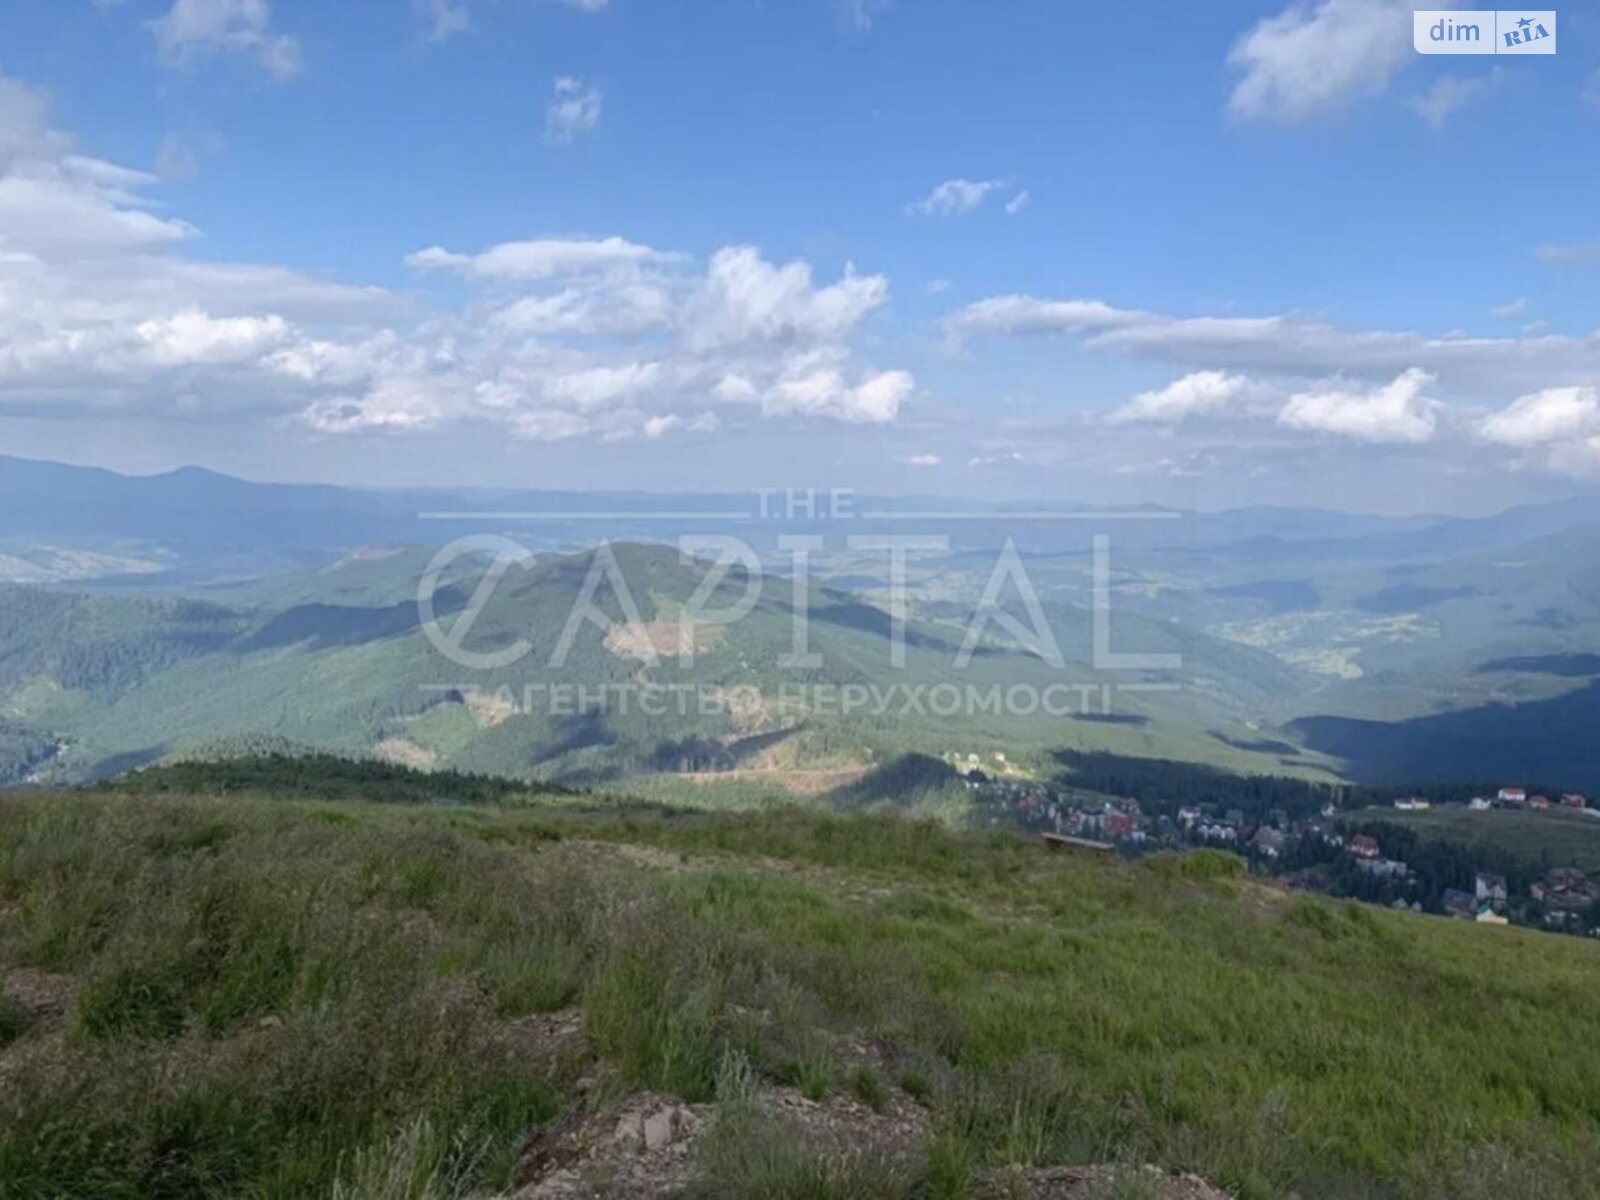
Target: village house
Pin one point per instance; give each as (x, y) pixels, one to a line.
(1491, 890)
(1574, 800)
(1479, 804)
(1269, 841)
(1460, 905)
(1513, 795)
(1217, 831)
(1365, 846)
(1383, 868)
(1540, 802)
(1412, 804)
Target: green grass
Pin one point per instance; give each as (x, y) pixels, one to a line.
(1566, 838)
(283, 999)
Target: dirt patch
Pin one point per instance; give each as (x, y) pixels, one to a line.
(1091, 1183)
(42, 994)
(661, 639)
(489, 708)
(642, 1147)
(649, 1145)
(406, 754)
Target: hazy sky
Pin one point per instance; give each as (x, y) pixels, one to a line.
(1199, 253)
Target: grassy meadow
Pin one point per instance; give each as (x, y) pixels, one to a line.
(238, 997)
(1564, 838)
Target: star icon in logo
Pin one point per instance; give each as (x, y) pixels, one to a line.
(1525, 22)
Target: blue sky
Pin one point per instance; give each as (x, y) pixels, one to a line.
(1197, 253)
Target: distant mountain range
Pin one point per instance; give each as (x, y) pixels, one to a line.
(194, 524)
(146, 617)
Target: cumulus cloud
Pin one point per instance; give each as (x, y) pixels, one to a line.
(560, 360)
(921, 460)
(1511, 308)
(658, 427)
(1398, 411)
(1552, 415)
(745, 298)
(574, 110)
(1018, 202)
(193, 31)
(1315, 57)
(102, 309)
(816, 389)
(955, 197)
(1202, 392)
(597, 387)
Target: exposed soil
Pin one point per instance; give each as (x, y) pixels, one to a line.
(43, 995)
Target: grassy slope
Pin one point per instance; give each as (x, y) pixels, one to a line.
(1568, 839)
(264, 998)
(129, 682)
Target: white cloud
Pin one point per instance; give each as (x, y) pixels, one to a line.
(193, 31)
(936, 287)
(922, 460)
(955, 197)
(1511, 308)
(1569, 254)
(442, 19)
(598, 387)
(550, 425)
(1395, 412)
(1018, 202)
(611, 304)
(1289, 344)
(540, 258)
(1196, 394)
(734, 388)
(1316, 57)
(103, 311)
(574, 110)
(192, 336)
(658, 427)
(862, 13)
(1451, 93)
(72, 204)
(1018, 314)
(744, 298)
(816, 389)
(1552, 415)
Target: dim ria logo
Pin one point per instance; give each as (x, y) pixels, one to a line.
(1484, 31)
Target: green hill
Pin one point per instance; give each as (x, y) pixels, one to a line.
(207, 997)
(337, 660)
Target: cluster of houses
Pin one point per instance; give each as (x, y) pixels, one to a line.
(1564, 900)
(1517, 797)
(1567, 898)
(1485, 904)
